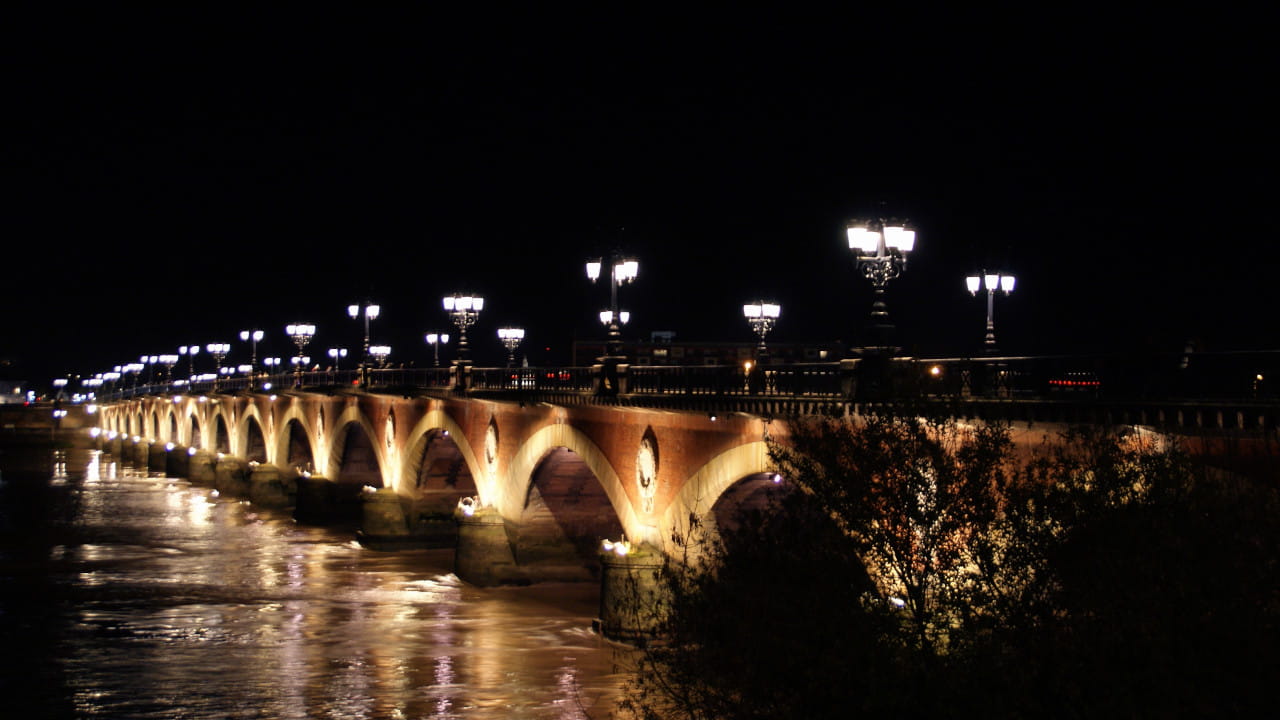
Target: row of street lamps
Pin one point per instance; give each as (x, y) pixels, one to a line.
(881, 248)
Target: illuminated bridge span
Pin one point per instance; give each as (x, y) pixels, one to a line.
(526, 470)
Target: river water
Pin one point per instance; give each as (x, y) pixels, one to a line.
(125, 594)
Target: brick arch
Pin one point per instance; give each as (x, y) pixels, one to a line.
(514, 481)
(707, 484)
(438, 419)
(279, 447)
(218, 415)
(353, 416)
(194, 429)
(240, 431)
(172, 429)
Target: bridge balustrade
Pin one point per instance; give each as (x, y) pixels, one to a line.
(550, 379)
(1177, 387)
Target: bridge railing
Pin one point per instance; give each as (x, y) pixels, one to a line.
(547, 379)
(1169, 377)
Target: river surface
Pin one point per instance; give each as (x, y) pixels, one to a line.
(125, 594)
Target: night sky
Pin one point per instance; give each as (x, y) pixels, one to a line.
(175, 178)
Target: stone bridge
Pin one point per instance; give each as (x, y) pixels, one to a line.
(528, 473)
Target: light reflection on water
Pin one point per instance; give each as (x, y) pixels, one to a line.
(147, 597)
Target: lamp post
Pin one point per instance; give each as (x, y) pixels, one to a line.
(252, 336)
(511, 338)
(218, 351)
(882, 248)
(370, 312)
(272, 364)
(435, 340)
(380, 353)
(148, 362)
(464, 310)
(761, 316)
(190, 351)
(168, 361)
(337, 354)
(623, 270)
(301, 334)
(992, 283)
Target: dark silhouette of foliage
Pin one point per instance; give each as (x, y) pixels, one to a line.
(923, 568)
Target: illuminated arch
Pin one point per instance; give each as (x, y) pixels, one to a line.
(278, 452)
(438, 419)
(352, 415)
(512, 484)
(704, 487)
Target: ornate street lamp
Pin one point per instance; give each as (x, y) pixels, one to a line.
(218, 351)
(252, 336)
(168, 361)
(190, 351)
(435, 340)
(511, 338)
(370, 312)
(301, 334)
(337, 354)
(992, 283)
(464, 310)
(882, 248)
(623, 270)
(380, 353)
(761, 316)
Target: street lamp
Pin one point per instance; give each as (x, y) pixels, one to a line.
(511, 338)
(252, 336)
(218, 351)
(882, 248)
(380, 353)
(761, 316)
(337, 354)
(435, 340)
(623, 271)
(370, 312)
(301, 334)
(168, 361)
(272, 364)
(190, 351)
(992, 283)
(464, 310)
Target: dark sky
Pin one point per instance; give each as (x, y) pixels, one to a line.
(175, 178)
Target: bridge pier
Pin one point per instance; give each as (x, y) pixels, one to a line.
(115, 447)
(632, 599)
(202, 468)
(483, 556)
(383, 525)
(270, 488)
(138, 453)
(177, 462)
(157, 458)
(231, 477)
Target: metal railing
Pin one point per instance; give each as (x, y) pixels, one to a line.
(1251, 376)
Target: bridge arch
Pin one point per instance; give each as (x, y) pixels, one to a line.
(355, 455)
(294, 445)
(221, 435)
(253, 440)
(514, 485)
(438, 422)
(700, 493)
(195, 434)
